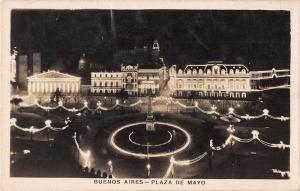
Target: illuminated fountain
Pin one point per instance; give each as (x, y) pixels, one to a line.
(158, 139)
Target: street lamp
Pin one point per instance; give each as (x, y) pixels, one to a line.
(148, 166)
(213, 107)
(172, 169)
(109, 163)
(231, 110)
(266, 112)
(231, 130)
(196, 104)
(255, 134)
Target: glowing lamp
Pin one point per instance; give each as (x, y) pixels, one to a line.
(26, 151)
(109, 163)
(196, 104)
(266, 112)
(13, 121)
(247, 117)
(48, 123)
(231, 110)
(282, 118)
(148, 166)
(117, 102)
(99, 103)
(231, 129)
(85, 103)
(213, 107)
(255, 134)
(60, 103)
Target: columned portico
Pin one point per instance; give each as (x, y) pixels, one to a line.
(49, 82)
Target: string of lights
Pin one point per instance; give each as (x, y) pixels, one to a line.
(255, 136)
(32, 129)
(85, 106)
(169, 101)
(174, 162)
(84, 155)
(282, 173)
(214, 108)
(264, 114)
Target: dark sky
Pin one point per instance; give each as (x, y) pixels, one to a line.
(186, 37)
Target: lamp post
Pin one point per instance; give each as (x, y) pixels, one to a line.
(231, 130)
(148, 166)
(31, 130)
(109, 163)
(255, 134)
(172, 169)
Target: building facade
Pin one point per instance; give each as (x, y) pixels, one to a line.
(214, 79)
(132, 79)
(150, 81)
(51, 81)
(267, 79)
(218, 80)
(106, 82)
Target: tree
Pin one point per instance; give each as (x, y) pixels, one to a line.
(57, 95)
(122, 95)
(16, 101)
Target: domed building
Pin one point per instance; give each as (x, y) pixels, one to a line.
(85, 73)
(83, 63)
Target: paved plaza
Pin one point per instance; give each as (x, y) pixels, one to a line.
(116, 141)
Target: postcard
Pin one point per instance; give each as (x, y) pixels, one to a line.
(148, 95)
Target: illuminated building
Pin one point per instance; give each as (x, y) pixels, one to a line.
(134, 80)
(51, 81)
(218, 80)
(106, 82)
(137, 80)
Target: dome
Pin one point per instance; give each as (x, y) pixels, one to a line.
(83, 62)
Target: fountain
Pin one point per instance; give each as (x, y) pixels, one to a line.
(150, 138)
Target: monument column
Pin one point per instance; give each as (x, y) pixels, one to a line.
(150, 118)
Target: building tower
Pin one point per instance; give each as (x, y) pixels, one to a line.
(22, 71)
(36, 63)
(83, 63)
(155, 51)
(13, 65)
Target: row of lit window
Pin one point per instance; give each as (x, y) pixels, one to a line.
(106, 84)
(209, 72)
(108, 75)
(200, 86)
(217, 94)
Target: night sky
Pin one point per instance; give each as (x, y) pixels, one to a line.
(261, 38)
